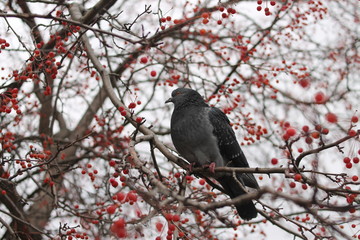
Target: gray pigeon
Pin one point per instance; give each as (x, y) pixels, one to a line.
(203, 136)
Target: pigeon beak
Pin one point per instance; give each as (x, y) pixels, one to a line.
(169, 100)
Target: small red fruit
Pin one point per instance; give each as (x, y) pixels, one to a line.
(111, 209)
(331, 117)
(319, 97)
(139, 120)
(144, 60)
(291, 132)
(352, 133)
(120, 223)
(176, 218)
(349, 165)
(153, 73)
(354, 119)
(120, 196)
(132, 197)
(202, 31)
(274, 161)
(205, 15)
(132, 105)
(297, 177)
(168, 216)
(159, 226)
(305, 128)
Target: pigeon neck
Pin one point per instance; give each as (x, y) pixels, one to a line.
(191, 103)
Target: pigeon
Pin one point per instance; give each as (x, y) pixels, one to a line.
(204, 137)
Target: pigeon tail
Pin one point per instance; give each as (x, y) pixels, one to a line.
(245, 210)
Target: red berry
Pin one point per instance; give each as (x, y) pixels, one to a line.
(325, 131)
(355, 178)
(132, 197)
(349, 165)
(205, 21)
(352, 133)
(286, 136)
(297, 177)
(111, 209)
(205, 15)
(132, 105)
(120, 223)
(171, 227)
(159, 226)
(201, 181)
(272, 3)
(356, 160)
(354, 119)
(291, 132)
(292, 184)
(120, 196)
(144, 60)
(331, 117)
(51, 54)
(139, 120)
(202, 31)
(153, 73)
(305, 128)
(346, 159)
(274, 161)
(176, 218)
(318, 127)
(168, 216)
(114, 183)
(319, 97)
(121, 233)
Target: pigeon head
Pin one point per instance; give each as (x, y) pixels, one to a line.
(182, 97)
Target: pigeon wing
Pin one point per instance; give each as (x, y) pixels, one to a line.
(229, 147)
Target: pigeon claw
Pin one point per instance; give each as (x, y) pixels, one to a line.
(191, 166)
(212, 167)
